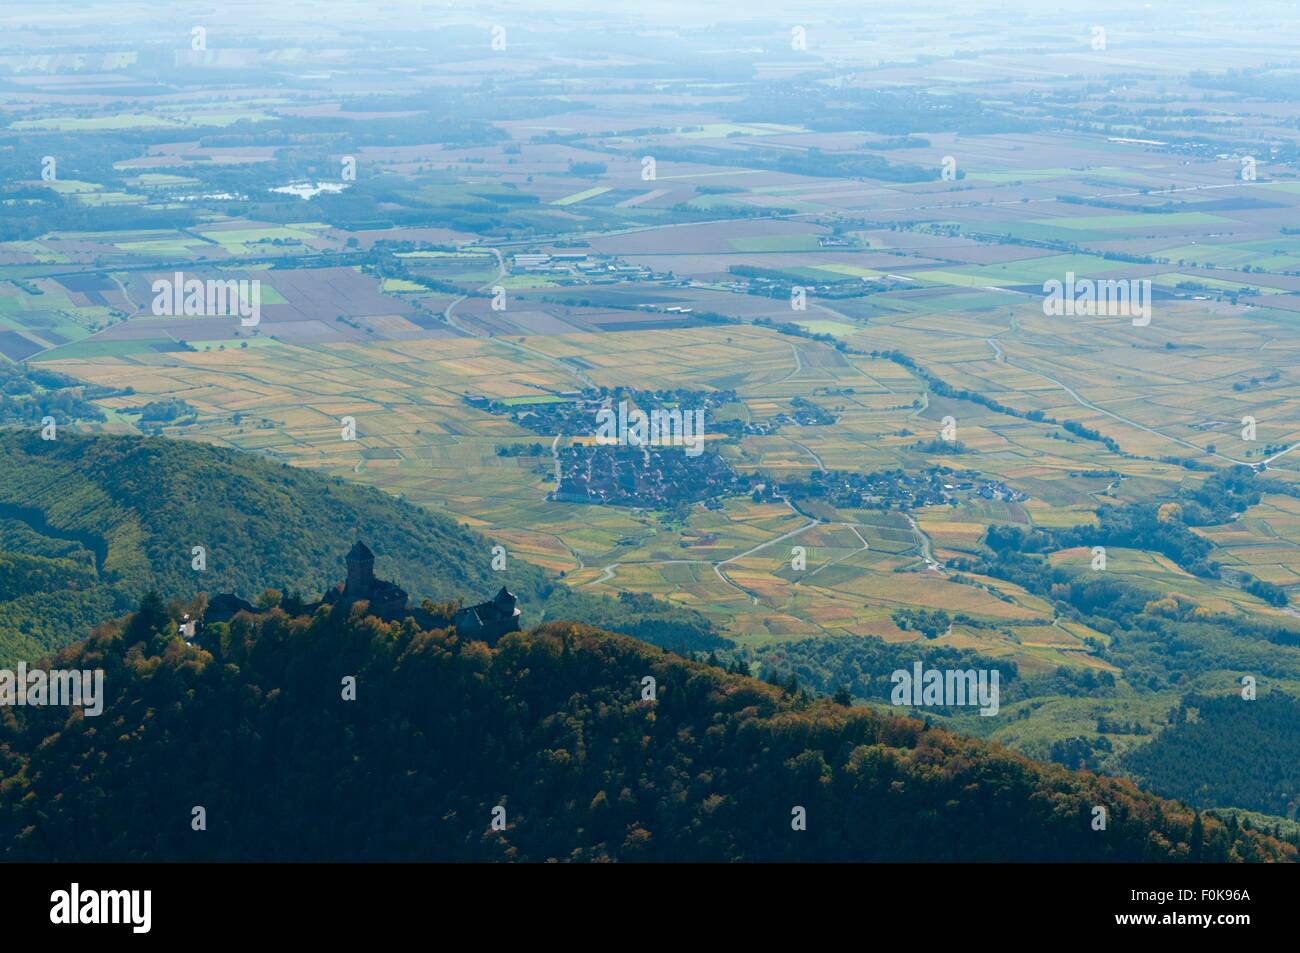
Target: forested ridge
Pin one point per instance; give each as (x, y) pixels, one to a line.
(550, 725)
(89, 524)
(1221, 751)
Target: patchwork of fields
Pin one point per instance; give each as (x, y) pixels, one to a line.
(847, 242)
(415, 435)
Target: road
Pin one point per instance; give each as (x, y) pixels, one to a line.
(1000, 355)
(447, 312)
(923, 543)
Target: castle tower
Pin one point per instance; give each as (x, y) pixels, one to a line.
(361, 571)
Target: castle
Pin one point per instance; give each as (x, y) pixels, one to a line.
(488, 621)
(387, 599)
(485, 622)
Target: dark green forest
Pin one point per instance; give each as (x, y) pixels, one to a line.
(552, 726)
(29, 394)
(1225, 750)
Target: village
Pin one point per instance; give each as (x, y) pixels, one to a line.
(650, 478)
(894, 489)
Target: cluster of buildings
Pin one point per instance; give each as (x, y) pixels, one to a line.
(644, 477)
(572, 268)
(893, 489)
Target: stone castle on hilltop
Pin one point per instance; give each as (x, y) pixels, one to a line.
(488, 621)
(386, 598)
(485, 622)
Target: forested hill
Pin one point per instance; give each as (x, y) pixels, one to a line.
(551, 727)
(89, 524)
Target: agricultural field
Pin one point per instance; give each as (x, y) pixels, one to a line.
(448, 282)
(416, 436)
